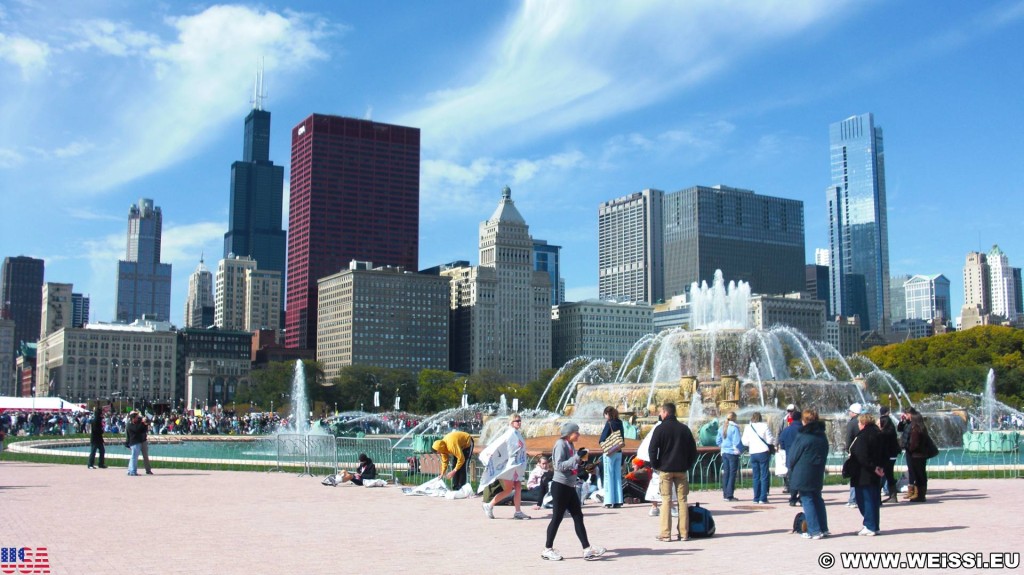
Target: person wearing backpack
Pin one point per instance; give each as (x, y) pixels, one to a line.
(806, 458)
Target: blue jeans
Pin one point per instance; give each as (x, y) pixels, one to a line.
(759, 467)
(869, 501)
(133, 463)
(730, 467)
(814, 512)
(612, 466)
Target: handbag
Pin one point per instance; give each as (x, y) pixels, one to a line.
(771, 448)
(613, 443)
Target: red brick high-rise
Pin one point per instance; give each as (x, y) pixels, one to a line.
(355, 195)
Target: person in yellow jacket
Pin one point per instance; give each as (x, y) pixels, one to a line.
(460, 445)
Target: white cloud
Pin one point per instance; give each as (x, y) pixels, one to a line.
(185, 243)
(560, 63)
(10, 158)
(27, 54)
(85, 213)
(473, 187)
(696, 142)
(186, 87)
(114, 38)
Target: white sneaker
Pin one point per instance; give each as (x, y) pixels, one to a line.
(867, 532)
(550, 555)
(488, 510)
(520, 515)
(809, 536)
(675, 512)
(852, 505)
(593, 552)
(654, 512)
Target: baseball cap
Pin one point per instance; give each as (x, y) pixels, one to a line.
(791, 407)
(855, 408)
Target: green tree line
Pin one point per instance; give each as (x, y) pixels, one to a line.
(958, 361)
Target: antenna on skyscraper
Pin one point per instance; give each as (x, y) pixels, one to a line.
(258, 92)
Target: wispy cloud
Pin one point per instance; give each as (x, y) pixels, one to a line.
(10, 158)
(158, 94)
(27, 54)
(560, 64)
(472, 188)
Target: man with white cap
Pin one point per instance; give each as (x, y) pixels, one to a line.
(852, 428)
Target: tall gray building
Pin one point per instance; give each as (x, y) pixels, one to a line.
(858, 227)
(21, 296)
(501, 309)
(753, 238)
(143, 283)
(598, 329)
(630, 263)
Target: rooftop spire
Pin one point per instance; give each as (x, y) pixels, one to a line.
(258, 92)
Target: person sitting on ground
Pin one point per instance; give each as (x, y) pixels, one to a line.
(537, 484)
(634, 488)
(458, 444)
(365, 470)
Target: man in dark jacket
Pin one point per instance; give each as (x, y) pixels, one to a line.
(96, 440)
(136, 434)
(866, 479)
(806, 459)
(890, 447)
(673, 453)
(786, 438)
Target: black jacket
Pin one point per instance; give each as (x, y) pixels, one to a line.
(866, 451)
(673, 448)
(852, 427)
(136, 433)
(367, 471)
(888, 438)
(96, 433)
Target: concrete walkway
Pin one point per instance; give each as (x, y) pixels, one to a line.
(192, 522)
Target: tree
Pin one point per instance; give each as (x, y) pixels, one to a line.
(356, 384)
(272, 385)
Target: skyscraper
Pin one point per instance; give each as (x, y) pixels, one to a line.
(21, 296)
(79, 310)
(199, 305)
(57, 311)
(750, 237)
(1001, 282)
(630, 263)
(501, 309)
(255, 213)
(858, 229)
(927, 298)
(976, 282)
(354, 196)
(143, 283)
(247, 298)
(546, 258)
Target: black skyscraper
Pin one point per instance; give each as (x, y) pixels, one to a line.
(254, 220)
(21, 296)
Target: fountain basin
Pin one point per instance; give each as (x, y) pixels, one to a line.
(991, 441)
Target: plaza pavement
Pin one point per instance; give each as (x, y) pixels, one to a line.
(221, 522)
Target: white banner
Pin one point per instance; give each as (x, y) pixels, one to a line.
(376, 399)
(504, 458)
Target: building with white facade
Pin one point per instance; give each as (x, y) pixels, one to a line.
(675, 312)
(57, 311)
(1002, 285)
(598, 329)
(246, 298)
(927, 298)
(105, 361)
(500, 310)
(630, 247)
(844, 334)
(385, 317)
(199, 305)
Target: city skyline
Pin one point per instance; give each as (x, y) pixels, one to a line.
(522, 98)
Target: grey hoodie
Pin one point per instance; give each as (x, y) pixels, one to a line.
(565, 463)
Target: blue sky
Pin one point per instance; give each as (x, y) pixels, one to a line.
(568, 103)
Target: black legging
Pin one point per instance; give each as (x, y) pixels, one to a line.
(564, 498)
(460, 478)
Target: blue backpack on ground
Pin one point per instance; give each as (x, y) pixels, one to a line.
(702, 523)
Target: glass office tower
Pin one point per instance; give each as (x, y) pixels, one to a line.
(858, 231)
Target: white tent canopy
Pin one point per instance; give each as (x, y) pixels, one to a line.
(38, 404)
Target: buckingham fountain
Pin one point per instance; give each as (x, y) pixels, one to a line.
(722, 365)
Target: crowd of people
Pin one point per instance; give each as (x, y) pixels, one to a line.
(659, 472)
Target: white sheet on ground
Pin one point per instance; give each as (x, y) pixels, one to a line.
(436, 487)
